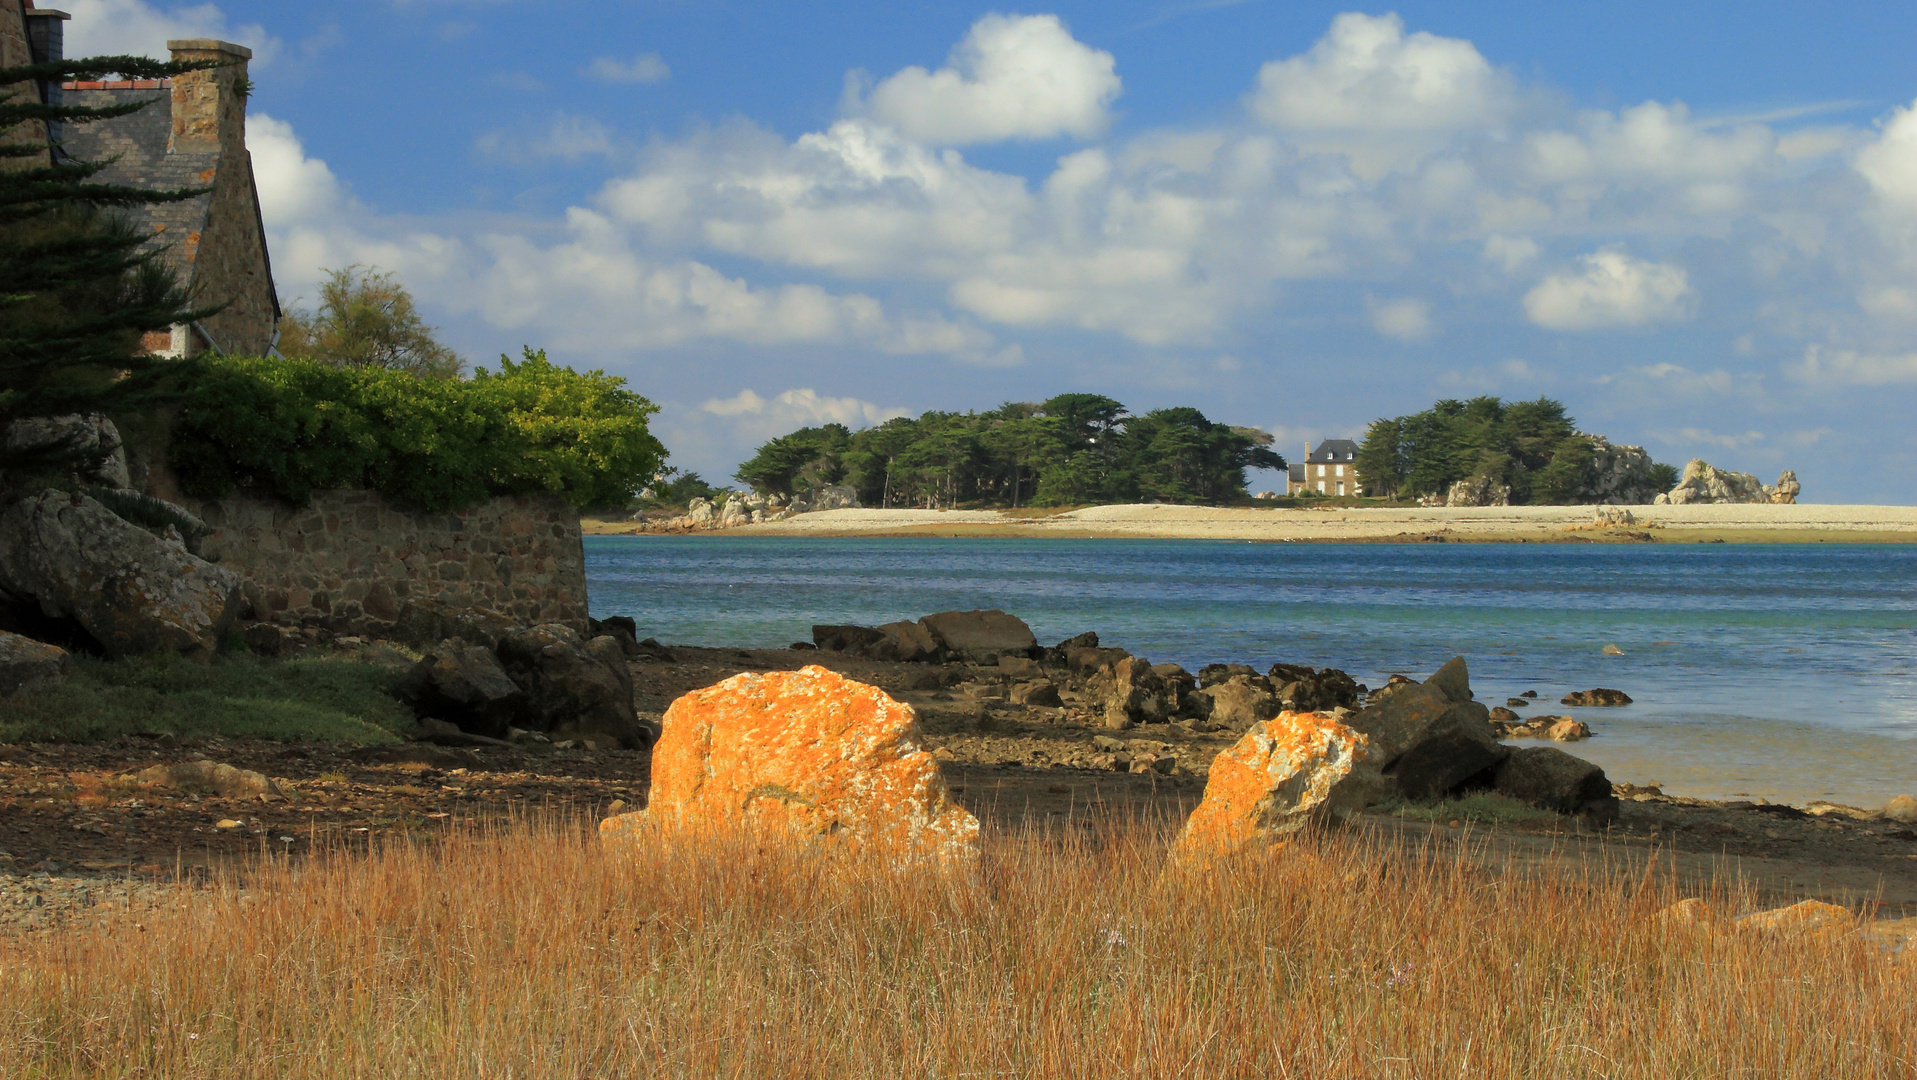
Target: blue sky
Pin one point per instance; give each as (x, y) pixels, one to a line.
(1695, 224)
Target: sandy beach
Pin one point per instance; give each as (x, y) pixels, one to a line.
(1802, 523)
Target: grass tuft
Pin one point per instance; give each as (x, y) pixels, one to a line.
(531, 952)
(1477, 806)
(331, 698)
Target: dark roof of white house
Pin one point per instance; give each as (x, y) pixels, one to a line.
(1333, 450)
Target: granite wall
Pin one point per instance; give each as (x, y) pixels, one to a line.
(352, 559)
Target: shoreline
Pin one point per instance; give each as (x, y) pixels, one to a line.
(1700, 523)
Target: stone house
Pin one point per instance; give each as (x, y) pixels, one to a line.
(193, 135)
(1330, 469)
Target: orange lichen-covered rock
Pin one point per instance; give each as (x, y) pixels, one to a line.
(1808, 917)
(1283, 770)
(808, 751)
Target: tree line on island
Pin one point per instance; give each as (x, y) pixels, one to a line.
(1067, 450)
(1077, 449)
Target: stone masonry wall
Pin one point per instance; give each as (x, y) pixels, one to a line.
(351, 559)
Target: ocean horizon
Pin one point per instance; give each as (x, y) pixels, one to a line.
(1777, 671)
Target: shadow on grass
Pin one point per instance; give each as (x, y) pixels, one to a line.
(329, 698)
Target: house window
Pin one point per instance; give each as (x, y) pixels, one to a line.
(1321, 483)
(1321, 472)
(1339, 471)
(1341, 487)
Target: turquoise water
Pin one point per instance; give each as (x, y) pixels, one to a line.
(1781, 670)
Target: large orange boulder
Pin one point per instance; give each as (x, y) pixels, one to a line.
(1284, 771)
(810, 752)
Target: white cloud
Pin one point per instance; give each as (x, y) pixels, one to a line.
(644, 68)
(1367, 74)
(1511, 253)
(803, 407)
(1848, 367)
(1011, 78)
(1406, 319)
(1692, 436)
(1609, 288)
(1889, 163)
(564, 136)
(137, 28)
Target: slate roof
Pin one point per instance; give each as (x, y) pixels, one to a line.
(1333, 450)
(139, 142)
(1297, 473)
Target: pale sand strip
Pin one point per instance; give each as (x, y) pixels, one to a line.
(1216, 523)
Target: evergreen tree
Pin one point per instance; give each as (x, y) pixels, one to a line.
(79, 285)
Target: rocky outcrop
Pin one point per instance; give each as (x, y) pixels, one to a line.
(1703, 483)
(132, 591)
(1786, 490)
(1285, 771)
(1239, 702)
(574, 687)
(226, 781)
(981, 636)
(1304, 689)
(1599, 696)
(465, 685)
(26, 664)
(1901, 809)
(1479, 491)
(1132, 693)
(89, 438)
(1618, 475)
(807, 753)
(1430, 738)
(1551, 779)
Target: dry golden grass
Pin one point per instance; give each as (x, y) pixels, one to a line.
(532, 953)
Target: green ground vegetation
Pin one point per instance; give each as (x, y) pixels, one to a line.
(332, 698)
(1476, 806)
(1532, 446)
(1070, 449)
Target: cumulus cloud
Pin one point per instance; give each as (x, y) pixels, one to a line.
(803, 407)
(1511, 253)
(1848, 367)
(137, 28)
(644, 68)
(592, 291)
(1013, 77)
(1367, 74)
(1406, 319)
(1609, 289)
(1889, 163)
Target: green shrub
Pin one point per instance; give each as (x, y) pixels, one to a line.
(330, 698)
(291, 427)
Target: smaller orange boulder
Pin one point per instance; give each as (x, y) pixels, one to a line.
(810, 752)
(1273, 780)
(1808, 918)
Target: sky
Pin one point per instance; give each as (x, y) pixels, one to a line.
(1694, 224)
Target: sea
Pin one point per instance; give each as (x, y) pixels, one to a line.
(1786, 672)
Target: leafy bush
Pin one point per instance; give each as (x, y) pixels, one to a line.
(291, 427)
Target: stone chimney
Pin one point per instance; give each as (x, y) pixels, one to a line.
(209, 107)
(47, 37)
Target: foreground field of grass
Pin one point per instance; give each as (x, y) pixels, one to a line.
(532, 953)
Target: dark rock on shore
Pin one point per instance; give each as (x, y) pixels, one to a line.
(26, 664)
(1599, 696)
(1430, 738)
(465, 685)
(981, 636)
(1551, 779)
(574, 687)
